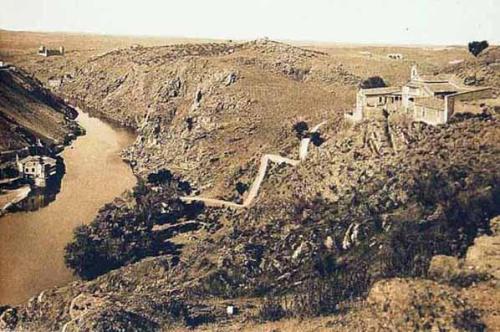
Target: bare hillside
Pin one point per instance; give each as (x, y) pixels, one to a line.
(29, 112)
(385, 224)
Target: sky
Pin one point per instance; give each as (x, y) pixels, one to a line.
(437, 22)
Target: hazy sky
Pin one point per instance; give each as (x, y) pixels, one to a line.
(370, 21)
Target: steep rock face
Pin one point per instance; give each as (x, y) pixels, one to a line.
(29, 112)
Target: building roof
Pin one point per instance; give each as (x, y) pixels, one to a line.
(381, 91)
(435, 78)
(442, 87)
(430, 102)
(39, 159)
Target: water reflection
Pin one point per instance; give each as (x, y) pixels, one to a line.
(40, 197)
(32, 241)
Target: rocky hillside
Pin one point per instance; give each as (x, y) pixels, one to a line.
(375, 201)
(483, 70)
(386, 225)
(29, 112)
(207, 111)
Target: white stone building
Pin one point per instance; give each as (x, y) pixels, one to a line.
(37, 168)
(432, 99)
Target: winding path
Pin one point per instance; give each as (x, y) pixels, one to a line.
(264, 163)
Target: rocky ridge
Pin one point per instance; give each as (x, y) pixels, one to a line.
(28, 113)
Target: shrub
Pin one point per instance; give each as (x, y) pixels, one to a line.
(468, 320)
(373, 82)
(163, 176)
(316, 139)
(271, 310)
(123, 233)
(300, 129)
(241, 187)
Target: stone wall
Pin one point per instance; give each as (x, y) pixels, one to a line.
(429, 115)
(462, 102)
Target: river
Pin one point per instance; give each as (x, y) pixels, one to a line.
(32, 243)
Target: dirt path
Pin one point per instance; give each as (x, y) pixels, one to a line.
(254, 189)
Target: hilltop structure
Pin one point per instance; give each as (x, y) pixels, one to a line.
(427, 98)
(44, 51)
(395, 56)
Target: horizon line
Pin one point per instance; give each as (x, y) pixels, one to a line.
(285, 40)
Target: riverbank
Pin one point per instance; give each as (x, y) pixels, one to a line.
(94, 175)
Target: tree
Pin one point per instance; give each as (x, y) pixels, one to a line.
(301, 128)
(476, 47)
(123, 233)
(373, 82)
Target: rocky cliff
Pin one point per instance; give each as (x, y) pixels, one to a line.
(28, 113)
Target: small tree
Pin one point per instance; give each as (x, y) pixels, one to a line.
(301, 128)
(373, 82)
(476, 47)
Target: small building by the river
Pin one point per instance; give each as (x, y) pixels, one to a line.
(37, 169)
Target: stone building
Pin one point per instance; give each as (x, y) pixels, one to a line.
(395, 56)
(37, 168)
(430, 99)
(434, 98)
(44, 51)
(374, 99)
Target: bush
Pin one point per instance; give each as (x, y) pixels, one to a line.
(316, 139)
(163, 176)
(241, 187)
(301, 129)
(373, 82)
(271, 310)
(123, 233)
(468, 320)
(476, 47)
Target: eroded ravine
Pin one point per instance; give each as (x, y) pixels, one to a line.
(32, 243)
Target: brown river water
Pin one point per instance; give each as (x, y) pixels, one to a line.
(32, 243)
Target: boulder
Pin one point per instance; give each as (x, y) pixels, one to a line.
(413, 304)
(484, 255)
(444, 267)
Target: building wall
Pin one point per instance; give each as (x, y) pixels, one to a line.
(429, 115)
(409, 93)
(460, 102)
(472, 95)
(464, 107)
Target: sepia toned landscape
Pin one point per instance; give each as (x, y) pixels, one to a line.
(178, 184)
